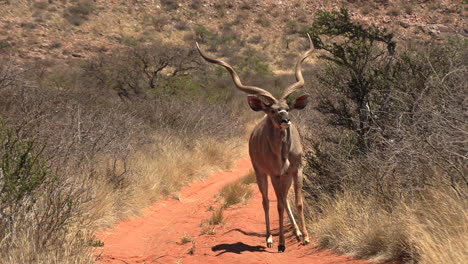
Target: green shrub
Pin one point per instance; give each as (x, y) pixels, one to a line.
(158, 22)
(202, 33)
(170, 5)
(394, 11)
(181, 25)
(252, 63)
(22, 171)
(34, 202)
(294, 27)
(77, 14)
(5, 45)
(359, 71)
(196, 4)
(263, 21)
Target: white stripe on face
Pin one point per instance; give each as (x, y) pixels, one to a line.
(282, 111)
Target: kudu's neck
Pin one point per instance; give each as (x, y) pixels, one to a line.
(280, 143)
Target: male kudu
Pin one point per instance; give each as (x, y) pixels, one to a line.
(275, 148)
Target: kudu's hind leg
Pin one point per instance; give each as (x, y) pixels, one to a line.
(299, 205)
(297, 232)
(262, 182)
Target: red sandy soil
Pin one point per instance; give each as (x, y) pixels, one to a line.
(155, 237)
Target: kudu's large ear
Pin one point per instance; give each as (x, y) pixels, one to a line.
(300, 102)
(256, 103)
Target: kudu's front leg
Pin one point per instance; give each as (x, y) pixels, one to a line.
(262, 182)
(281, 185)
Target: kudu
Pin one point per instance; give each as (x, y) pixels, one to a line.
(275, 148)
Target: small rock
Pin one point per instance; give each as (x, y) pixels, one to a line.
(464, 32)
(404, 24)
(444, 28)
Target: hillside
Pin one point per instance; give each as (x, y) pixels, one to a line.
(63, 30)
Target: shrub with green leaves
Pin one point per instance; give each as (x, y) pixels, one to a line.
(22, 171)
(384, 110)
(37, 206)
(359, 70)
(202, 33)
(252, 63)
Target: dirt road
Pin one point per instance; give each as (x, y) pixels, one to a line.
(156, 236)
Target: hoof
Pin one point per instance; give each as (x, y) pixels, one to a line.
(306, 242)
(299, 237)
(281, 248)
(270, 245)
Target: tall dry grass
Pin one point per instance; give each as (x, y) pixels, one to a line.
(355, 224)
(158, 174)
(432, 229)
(438, 227)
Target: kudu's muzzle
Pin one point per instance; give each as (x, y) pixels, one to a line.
(285, 122)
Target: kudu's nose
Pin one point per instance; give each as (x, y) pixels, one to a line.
(285, 122)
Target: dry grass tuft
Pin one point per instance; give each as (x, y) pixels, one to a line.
(249, 178)
(186, 239)
(208, 230)
(238, 191)
(217, 217)
(359, 226)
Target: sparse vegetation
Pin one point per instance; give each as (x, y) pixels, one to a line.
(185, 239)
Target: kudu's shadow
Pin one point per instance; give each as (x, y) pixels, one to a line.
(274, 231)
(237, 248)
(255, 234)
